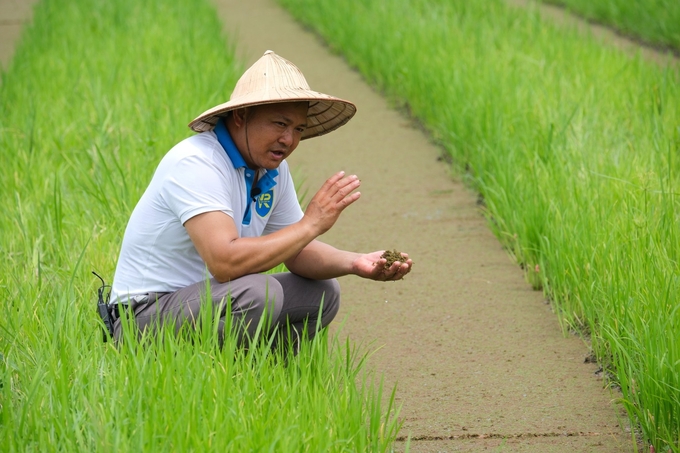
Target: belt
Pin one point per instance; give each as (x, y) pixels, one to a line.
(118, 308)
(131, 304)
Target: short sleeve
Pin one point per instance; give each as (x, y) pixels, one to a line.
(194, 186)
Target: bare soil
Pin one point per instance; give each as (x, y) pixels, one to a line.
(13, 15)
(391, 257)
(479, 359)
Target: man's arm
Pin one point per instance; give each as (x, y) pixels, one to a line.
(229, 256)
(320, 261)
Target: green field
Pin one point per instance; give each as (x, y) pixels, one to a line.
(574, 147)
(96, 93)
(655, 22)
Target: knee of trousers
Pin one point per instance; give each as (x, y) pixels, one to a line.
(331, 300)
(263, 295)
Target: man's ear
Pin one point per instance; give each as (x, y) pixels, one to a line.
(239, 116)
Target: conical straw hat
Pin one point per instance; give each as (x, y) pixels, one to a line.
(273, 79)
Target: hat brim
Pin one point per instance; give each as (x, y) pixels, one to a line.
(326, 113)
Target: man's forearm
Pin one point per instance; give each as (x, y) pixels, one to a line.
(229, 257)
(320, 261)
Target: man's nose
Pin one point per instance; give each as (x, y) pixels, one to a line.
(287, 137)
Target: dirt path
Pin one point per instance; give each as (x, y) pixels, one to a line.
(478, 356)
(13, 14)
(600, 32)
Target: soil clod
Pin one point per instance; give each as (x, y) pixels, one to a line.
(391, 256)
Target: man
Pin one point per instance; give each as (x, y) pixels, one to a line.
(221, 209)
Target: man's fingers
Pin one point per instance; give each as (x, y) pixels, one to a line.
(339, 183)
(339, 189)
(397, 271)
(402, 271)
(348, 200)
(335, 195)
(332, 181)
(345, 186)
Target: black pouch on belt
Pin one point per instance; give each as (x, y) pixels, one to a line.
(105, 309)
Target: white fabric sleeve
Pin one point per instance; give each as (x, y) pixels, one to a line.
(194, 186)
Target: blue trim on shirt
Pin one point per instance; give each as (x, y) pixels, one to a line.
(264, 184)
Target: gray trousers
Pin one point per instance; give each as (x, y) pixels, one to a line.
(284, 298)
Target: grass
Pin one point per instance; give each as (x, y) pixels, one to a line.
(96, 93)
(173, 395)
(653, 21)
(573, 146)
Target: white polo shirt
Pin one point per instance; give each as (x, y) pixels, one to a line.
(202, 173)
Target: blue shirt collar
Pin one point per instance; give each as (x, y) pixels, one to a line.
(264, 184)
(227, 143)
(232, 151)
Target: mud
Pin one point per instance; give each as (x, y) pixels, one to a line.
(391, 257)
(13, 15)
(478, 357)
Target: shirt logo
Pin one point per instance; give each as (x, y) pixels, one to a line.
(264, 203)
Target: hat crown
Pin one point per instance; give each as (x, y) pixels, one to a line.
(271, 77)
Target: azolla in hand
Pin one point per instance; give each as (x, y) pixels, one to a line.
(392, 256)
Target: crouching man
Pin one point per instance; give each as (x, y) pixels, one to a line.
(221, 209)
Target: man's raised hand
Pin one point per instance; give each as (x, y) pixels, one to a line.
(335, 195)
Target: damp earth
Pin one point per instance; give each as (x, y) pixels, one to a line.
(392, 256)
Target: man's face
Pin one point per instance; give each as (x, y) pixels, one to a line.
(273, 132)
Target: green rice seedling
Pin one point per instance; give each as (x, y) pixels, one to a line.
(655, 22)
(96, 93)
(573, 146)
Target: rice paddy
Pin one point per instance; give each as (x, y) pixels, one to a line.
(656, 22)
(96, 93)
(573, 146)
